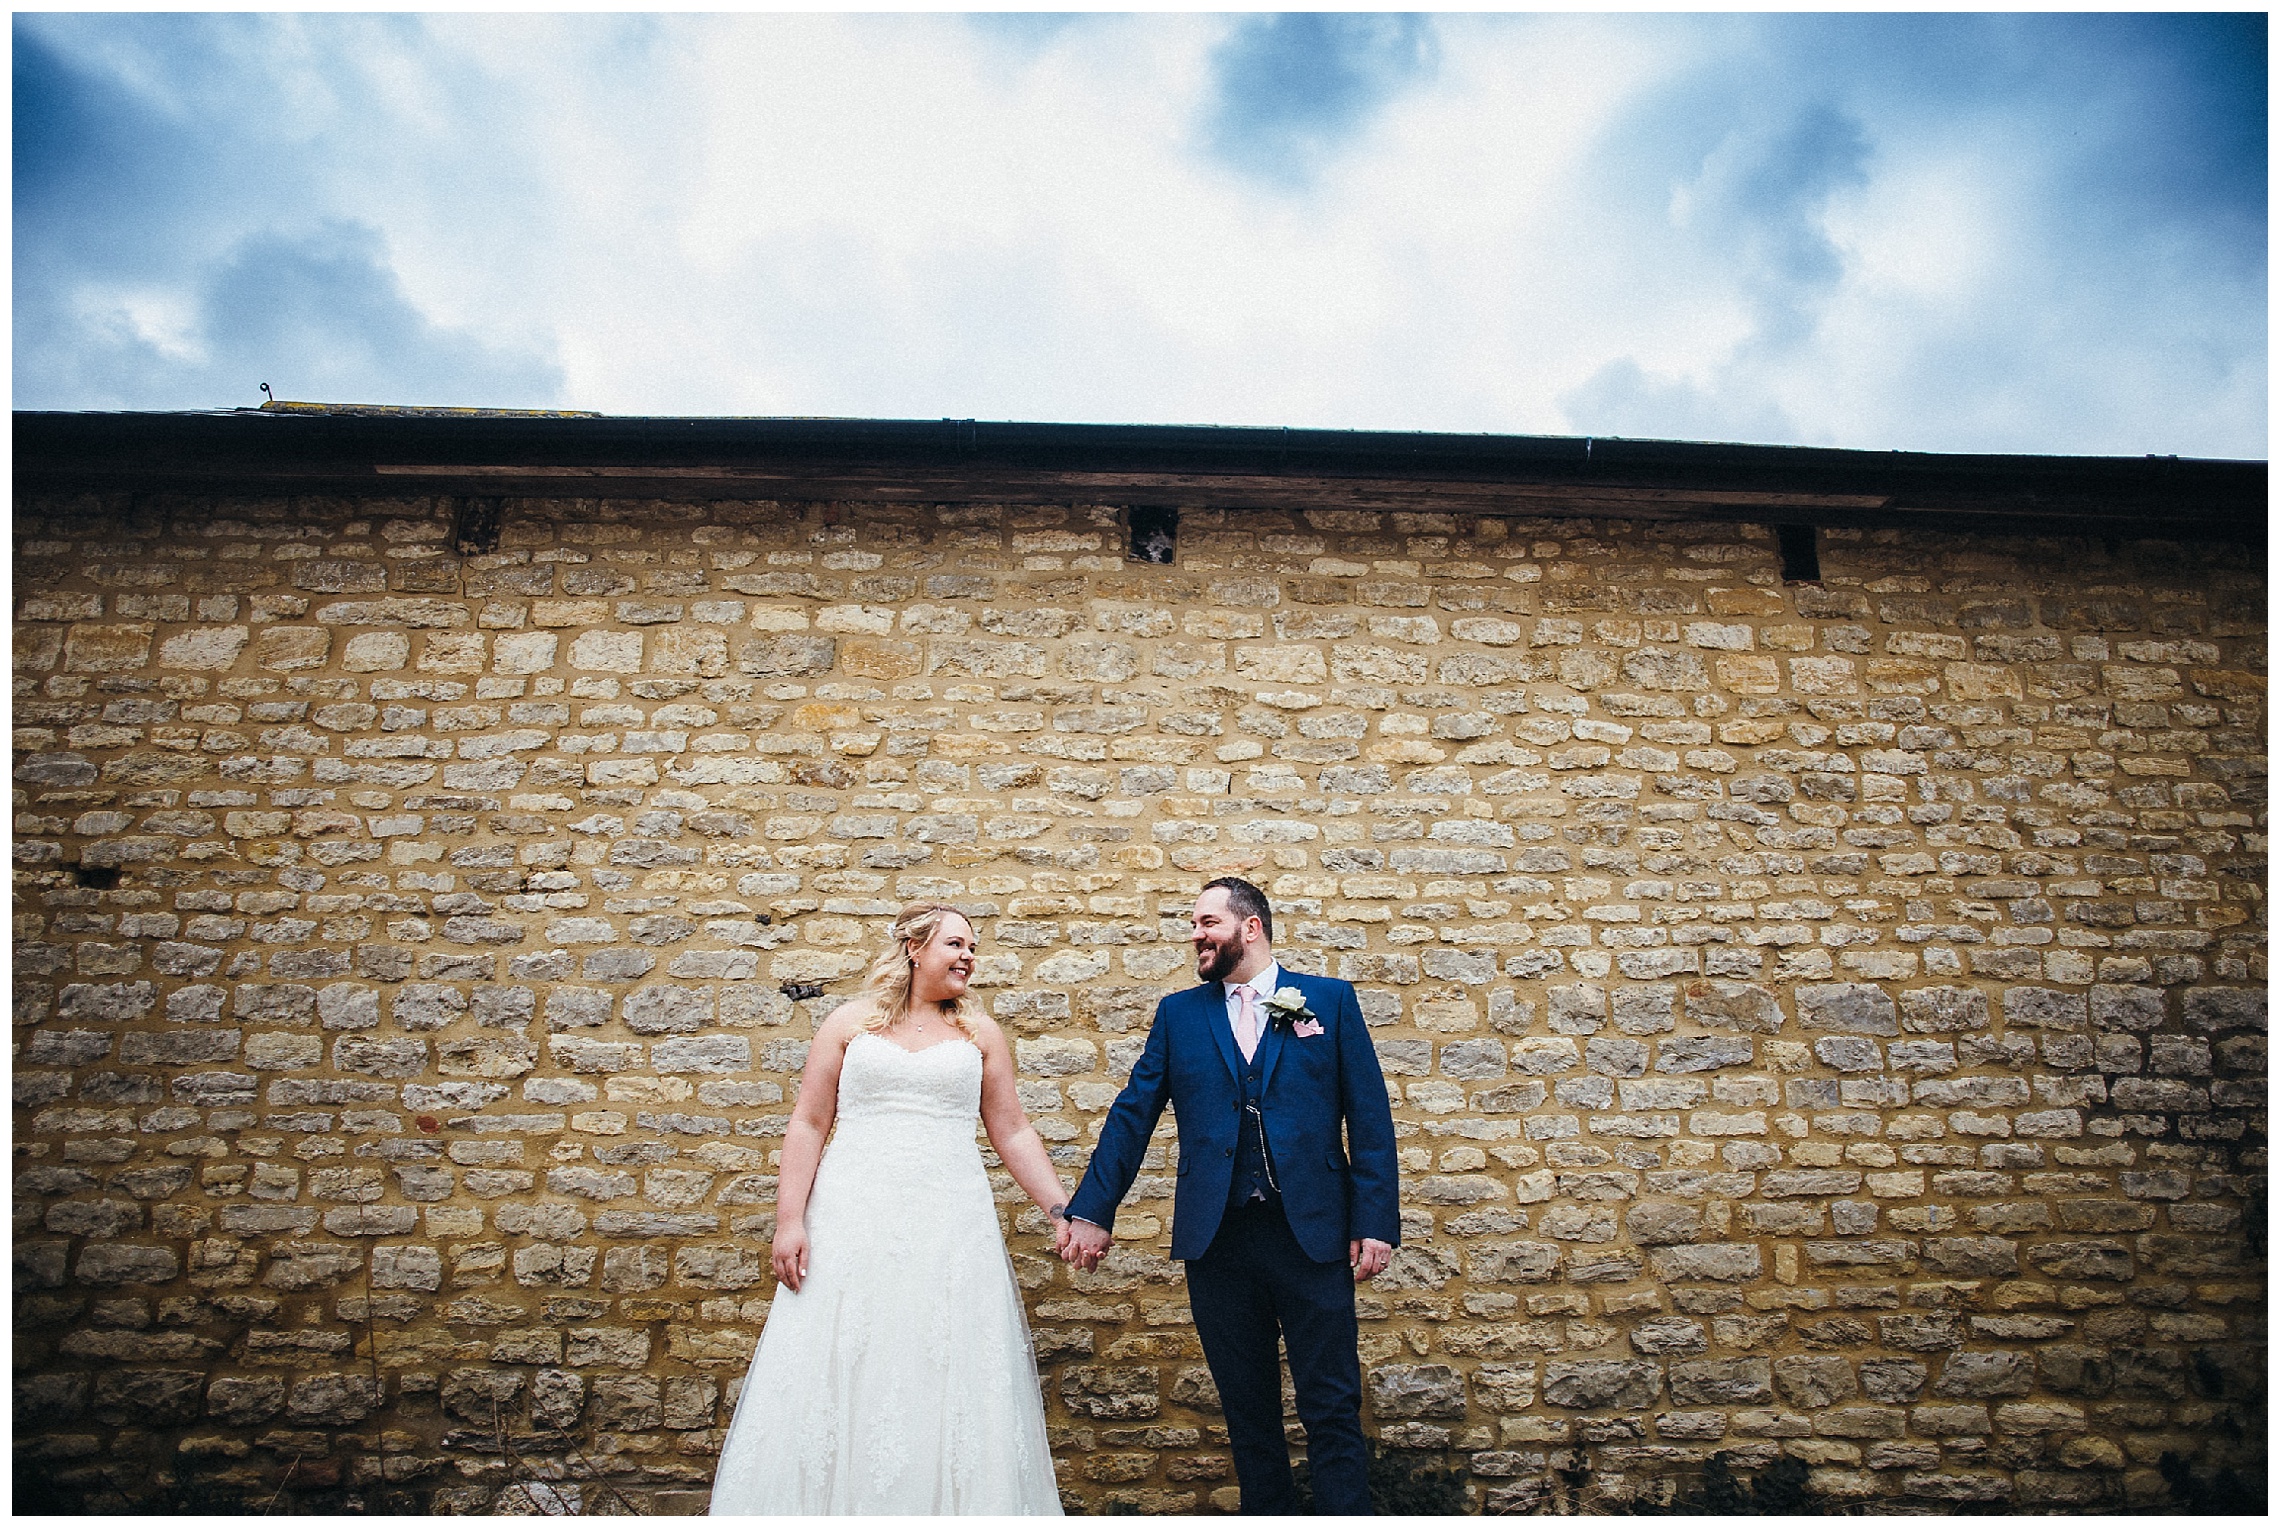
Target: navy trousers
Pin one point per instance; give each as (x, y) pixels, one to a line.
(1251, 1284)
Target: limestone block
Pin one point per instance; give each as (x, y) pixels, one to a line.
(1721, 1381)
(245, 1402)
(480, 1396)
(1415, 1390)
(1985, 1374)
(1589, 1384)
(114, 1263)
(204, 648)
(332, 1400)
(292, 649)
(92, 648)
(1854, 1007)
(1815, 1381)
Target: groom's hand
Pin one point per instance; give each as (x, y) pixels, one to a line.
(1369, 1257)
(1083, 1244)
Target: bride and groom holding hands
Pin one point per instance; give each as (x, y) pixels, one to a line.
(895, 1374)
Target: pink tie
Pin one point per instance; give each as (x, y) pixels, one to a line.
(1247, 1023)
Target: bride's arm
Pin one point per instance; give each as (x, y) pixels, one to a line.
(1016, 1141)
(810, 1126)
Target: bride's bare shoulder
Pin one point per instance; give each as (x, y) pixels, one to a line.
(988, 1037)
(846, 1021)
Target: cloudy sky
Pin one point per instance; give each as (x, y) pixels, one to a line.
(2036, 233)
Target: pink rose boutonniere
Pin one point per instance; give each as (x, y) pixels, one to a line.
(1287, 1010)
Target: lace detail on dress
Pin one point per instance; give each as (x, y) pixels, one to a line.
(900, 1379)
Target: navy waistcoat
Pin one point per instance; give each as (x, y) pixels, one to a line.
(1251, 1168)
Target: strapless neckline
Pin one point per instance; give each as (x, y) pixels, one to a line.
(873, 1034)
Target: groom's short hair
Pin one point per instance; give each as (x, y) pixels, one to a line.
(1246, 901)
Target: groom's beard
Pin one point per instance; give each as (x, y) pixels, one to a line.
(1216, 962)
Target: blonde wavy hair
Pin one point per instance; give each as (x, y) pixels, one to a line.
(887, 983)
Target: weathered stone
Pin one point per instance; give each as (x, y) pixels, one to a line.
(705, 1053)
(2082, 1259)
(380, 1057)
(114, 1263)
(1894, 1381)
(1726, 1263)
(1108, 1393)
(1415, 1390)
(1855, 1007)
(557, 1397)
(1514, 1262)
(1985, 1374)
(332, 1400)
(1814, 1381)
(1669, 1334)
(91, 648)
(1721, 1381)
(245, 1402)
(1733, 1004)
(728, 1267)
(2043, 1008)
(1968, 1256)
(1703, 1054)
(407, 1268)
(206, 647)
(147, 1397)
(662, 1008)
(480, 1396)
(1942, 1010)
(1589, 1384)
(1656, 1223)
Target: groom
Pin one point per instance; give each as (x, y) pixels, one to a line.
(1279, 1211)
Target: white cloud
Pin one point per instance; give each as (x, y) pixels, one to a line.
(1552, 224)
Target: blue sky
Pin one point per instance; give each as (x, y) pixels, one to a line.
(2032, 233)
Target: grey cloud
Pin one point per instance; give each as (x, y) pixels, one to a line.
(319, 316)
(173, 247)
(1291, 87)
(1761, 198)
(2115, 299)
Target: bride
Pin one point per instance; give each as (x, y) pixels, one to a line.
(895, 1373)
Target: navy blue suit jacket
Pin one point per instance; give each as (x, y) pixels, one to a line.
(1337, 1185)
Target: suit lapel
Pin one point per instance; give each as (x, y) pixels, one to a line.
(1271, 1042)
(1211, 1003)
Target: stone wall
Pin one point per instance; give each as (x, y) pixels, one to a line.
(1823, 1022)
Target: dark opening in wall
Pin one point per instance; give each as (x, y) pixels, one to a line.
(477, 532)
(99, 877)
(1155, 532)
(1800, 553)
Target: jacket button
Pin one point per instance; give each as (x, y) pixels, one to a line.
(1230, 1151)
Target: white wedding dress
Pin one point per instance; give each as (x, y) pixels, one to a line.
(900, 1379)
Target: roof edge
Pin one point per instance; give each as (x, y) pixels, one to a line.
(371, 449)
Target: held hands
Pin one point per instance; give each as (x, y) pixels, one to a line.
(1081, 1244)
(789, 1256)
